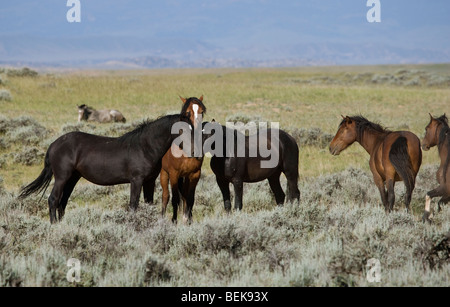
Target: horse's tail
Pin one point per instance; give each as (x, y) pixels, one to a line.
(401, 161)
(41, 183)
(447, 160)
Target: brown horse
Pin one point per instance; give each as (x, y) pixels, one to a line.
(394, 156)
(438, 134)
(182, 172)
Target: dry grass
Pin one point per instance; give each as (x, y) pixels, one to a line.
(326, 240)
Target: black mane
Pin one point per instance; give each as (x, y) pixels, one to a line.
(444, 136)
(445, 132)
(134, 135)
(363, 124)
(193, 100)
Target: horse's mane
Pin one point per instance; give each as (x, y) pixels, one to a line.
(363, 124)
(443, 121)
(193, 100)
(134, 135)
(444, 138)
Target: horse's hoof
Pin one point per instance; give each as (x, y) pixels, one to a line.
(426, 218)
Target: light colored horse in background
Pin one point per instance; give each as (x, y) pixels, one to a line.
(102, 116)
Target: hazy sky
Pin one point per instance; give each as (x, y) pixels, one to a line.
(237, 23)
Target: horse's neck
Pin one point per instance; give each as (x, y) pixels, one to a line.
(159, 138)
(444, 145)
(371, 140)
(236, 137)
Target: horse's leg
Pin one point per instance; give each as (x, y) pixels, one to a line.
(183, 187)
(391, 194)
(175, 195)
(438, 192)
(164, 179)
(292, 184)
(275, 185)
(238, 194)
(68, 189)
(190, 196)
(135, 193)
(224, 186)
(381, 188)
(55, 197)
(444, 200)
(149, 189)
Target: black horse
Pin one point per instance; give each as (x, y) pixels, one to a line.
(243, 162)
(132, 158)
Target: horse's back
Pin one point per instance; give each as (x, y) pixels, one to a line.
(117, 116)
(75, 141)
(282, 150)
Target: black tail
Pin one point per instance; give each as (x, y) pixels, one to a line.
(41, 183)
(399, 157)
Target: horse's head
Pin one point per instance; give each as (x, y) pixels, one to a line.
(432, 131)
(345, 136)
(83, 112)
(184, 132)
(194, 109)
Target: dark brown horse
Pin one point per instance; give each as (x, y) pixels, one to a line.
(394, 156)
(251, 164)
(438, 134)
(132, 158)
(181, 171)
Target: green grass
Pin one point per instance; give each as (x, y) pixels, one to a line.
(326, 240)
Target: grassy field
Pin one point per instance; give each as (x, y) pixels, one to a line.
(326, 240)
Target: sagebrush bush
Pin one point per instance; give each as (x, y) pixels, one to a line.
(5, 95)
(29, 156)
(22, 130)
(244, 118)
(23, 72)
(310, 137)
(2, 188)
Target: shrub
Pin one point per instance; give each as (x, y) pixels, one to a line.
(24, 72)
(5, 95)
(2, 189)
(29, 156)
(311, 137)
(245, 119)
(22, 130)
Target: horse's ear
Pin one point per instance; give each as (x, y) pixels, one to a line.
(201, 98)
(213, 120)
(431, 116)
(182, 99)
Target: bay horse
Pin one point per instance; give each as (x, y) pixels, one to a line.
(102, 116)
(394, 155)
(237, 169)
(438, 134)
(133, 158)
(181, 171)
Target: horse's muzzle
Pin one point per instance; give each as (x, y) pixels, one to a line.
(425, 147)
(334, 151)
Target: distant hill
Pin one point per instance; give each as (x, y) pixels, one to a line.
(119, 52)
